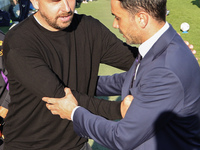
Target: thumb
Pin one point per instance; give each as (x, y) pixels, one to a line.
(129, 98)
(67, 91)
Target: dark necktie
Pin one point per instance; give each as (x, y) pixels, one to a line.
(137, 61)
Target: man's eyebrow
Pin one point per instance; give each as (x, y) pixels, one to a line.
(113, 14)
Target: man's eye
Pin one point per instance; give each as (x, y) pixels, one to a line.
(55, 0)
(117, 18)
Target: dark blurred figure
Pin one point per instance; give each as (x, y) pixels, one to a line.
(4, 92)
(24, 9)
(19, 9)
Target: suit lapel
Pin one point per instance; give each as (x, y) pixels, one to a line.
(128, 81)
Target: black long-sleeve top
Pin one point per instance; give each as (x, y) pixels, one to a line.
(41, 63)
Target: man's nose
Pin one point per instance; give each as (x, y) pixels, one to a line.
(66, 6)
(115, 24)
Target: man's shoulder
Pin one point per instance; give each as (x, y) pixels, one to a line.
(22, 27)
(84, 17)
(87, 21)
(21, 31)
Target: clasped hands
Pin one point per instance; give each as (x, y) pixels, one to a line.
(65, 105)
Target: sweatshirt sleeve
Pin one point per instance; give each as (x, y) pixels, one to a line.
(29, 69)
(104, 108)
(115, 52)
(111, 50)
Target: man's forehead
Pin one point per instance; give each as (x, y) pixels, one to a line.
(115, 1)
(116, 7)
(115, 4)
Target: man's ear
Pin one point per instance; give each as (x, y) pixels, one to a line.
(35, 4)
(142, 19)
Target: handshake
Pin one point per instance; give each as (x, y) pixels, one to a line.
(65, 106)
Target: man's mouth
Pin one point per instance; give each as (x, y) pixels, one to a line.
(65, 18)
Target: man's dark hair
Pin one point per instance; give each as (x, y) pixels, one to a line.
(155, 8)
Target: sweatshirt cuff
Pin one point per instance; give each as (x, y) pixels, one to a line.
(115, 108)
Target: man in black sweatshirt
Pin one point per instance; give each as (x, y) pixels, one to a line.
(51, 50)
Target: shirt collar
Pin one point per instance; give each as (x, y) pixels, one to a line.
(37, 20)
(146, 46)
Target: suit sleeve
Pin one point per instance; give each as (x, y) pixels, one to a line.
(110, 85)
(163, 93)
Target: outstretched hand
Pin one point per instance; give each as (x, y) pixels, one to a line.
(125, 105)
(191, 47)
(62, 106)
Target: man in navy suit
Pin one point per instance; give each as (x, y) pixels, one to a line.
(165, 84)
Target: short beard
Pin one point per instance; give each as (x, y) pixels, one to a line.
(53, 23)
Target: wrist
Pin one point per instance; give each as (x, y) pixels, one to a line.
(73, 111)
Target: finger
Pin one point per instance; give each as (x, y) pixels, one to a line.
(48, 106)
(54, 112)
(194, 51)
(128, 100)
(190, 46)
(64, 117)
(186, 42)
(129, 97)
(45, 99)
(49, 100)
(51, 107)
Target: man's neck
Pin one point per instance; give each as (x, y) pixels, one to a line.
(42, 22)
(152, 28)
(146, 46)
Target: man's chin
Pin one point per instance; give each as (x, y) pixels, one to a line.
(128, 42)
(64, 25)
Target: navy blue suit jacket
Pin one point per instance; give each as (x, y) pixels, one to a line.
(164, 114)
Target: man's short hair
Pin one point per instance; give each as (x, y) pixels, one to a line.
(155, 8)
